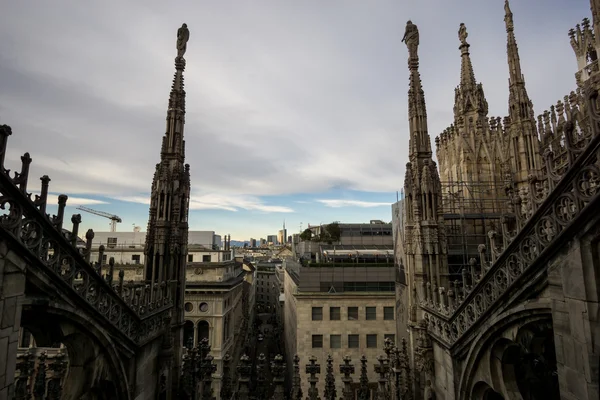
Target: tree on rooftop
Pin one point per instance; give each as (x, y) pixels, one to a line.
(306, 235)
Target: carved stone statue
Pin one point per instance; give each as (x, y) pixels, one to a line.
(462, 33)
(411, 38)
(183, 35)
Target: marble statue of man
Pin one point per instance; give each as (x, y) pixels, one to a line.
(183, 35)
(411, 38)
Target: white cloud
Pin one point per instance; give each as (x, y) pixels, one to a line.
(291, 98)
(220, 202)
(52, 200)
(337, 203)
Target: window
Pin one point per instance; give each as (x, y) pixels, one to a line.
(104, 259)
(371, 313)
(353, 341)
(334, 313)
(135, 258)
(188, 307)
(111, 243)
(372, 341)
(206, 258)
(190, 258)
(388, 313)
(204, 307)
(335, 341)
(317, 313)
(390, 336)
(317, 341)
(352, 313)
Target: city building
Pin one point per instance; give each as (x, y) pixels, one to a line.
(272, 240)
(375, 233)
(338, 309)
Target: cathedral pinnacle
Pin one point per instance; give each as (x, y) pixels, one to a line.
(520, 107)
(469, 95)
(173, 146)
(420, 144)
(467, 76)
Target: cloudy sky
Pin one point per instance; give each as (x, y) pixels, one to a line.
(296, 110)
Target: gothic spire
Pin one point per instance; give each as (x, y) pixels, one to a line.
(520, 107)
(469, 94)
(420, 143)
(173, 146)
(467, 76)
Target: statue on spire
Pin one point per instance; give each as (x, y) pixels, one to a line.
(183, 35)
(508, 16)
(411, 38)
(462, 33)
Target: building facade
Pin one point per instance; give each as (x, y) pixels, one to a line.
(338, 311)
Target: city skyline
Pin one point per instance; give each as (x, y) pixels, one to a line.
(261, 147)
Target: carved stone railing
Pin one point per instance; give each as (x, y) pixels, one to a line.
(551, 213)
(40, 375)
(392, 366)
(135, 310)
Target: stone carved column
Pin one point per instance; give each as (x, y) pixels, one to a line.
(313, 369)
(330, 392)
(277, 372)
(364, 393)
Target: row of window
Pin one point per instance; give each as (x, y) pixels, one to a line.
(335, 313)
(335, 341)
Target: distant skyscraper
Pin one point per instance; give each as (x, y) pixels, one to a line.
(272, 239)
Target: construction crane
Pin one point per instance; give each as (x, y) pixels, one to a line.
(113, 218)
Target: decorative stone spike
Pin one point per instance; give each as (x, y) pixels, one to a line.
(278, 374)
(363, 391)
(57, 220)
(330, 392)
(312, 368)
(347, 368)
(226, 389)
(261, 372)
(121, 277)
(39, 385)
(75, 220)
(383, 369)
(89, 237)
(41, 200)
(22, 177)
(58, 368)
(296, 393)
(100, 259)
(111, 270)
(208, 369)
(244, 370)
(5, 132)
